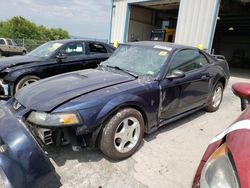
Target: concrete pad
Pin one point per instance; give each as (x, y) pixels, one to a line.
(167, 158)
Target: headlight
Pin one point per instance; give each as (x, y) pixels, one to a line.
(56, 119)
(218, 171)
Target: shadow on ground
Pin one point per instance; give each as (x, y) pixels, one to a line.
(62, 154)
(174, 125)
(240, 73)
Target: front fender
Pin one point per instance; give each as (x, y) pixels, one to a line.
(123, 101)
(23, 161)
(95, 116)
(14, 75)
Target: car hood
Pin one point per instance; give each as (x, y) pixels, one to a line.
(17, 60)
(47, 94)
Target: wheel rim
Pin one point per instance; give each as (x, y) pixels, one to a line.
(127, 135)
(28, 82)
(217, 97)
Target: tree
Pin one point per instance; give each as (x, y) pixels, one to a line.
(21, 28)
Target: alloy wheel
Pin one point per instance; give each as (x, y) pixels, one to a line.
(127, 135)
(217, 97)
(28, 82)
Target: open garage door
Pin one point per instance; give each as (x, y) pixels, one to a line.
(157, 16)
(232, 36)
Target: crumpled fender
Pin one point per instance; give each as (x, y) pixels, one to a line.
(23, 163)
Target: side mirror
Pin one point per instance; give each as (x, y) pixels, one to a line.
(61, 56)
(176, 74)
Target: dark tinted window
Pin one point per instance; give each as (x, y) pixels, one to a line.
(97, 48)
(203, 60)
(188, 60)
(9, 42)
(2, 41)
(73, 49)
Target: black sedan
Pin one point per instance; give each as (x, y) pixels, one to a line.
(141, 87)
(50, 59)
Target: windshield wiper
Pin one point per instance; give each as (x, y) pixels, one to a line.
(123, 70)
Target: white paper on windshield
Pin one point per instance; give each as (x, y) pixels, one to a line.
(54, 47)
(163, 47)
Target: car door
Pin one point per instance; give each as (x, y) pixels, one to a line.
(74, 57)
(11, 48)
(96, 53)
(18, 50)
(183, 94)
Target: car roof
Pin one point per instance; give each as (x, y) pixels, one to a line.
(153, 44)
(6, 38)
(75, 40)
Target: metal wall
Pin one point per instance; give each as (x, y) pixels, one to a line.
(197, 22)
(120, 20)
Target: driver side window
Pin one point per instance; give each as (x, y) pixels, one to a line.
(73, 49)
(188, 60)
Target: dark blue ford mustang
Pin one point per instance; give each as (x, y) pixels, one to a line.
(142, 86)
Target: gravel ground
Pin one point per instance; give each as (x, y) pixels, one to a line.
(167, 158)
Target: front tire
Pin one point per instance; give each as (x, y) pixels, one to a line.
(26, 81)
(122, 134)
(215, 99)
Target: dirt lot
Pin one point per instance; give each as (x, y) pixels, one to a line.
(167, 158)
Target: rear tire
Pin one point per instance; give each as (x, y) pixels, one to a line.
(24, 53)
(215, 99)
(26, 81)
(122, 134)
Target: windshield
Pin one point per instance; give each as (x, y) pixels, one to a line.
(46, 49)
(139, 60)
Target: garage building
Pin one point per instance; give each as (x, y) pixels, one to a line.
(221, 26)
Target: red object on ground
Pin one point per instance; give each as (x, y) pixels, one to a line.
(241, 89)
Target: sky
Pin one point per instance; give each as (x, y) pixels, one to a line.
(83, 18)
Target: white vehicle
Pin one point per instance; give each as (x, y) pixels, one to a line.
(8, 47)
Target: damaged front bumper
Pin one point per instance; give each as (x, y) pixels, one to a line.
(23, 163)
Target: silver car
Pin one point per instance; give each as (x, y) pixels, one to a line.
(8, 47)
